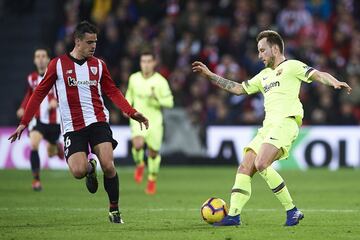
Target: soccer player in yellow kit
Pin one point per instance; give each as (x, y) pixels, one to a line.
(149, 92)
(280, 84)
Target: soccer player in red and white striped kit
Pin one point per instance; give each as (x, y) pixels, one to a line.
(80, 79)
(46, 122)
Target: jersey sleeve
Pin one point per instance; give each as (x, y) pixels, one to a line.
(164, 97)
(303, 72)
(40, 92)
(109, 88)
(253, 85)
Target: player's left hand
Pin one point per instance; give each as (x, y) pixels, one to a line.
(340, 85)
(141, 119)
(17, 134)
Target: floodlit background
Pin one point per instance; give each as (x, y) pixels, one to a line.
(205, 132)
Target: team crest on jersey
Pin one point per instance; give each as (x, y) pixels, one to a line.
(279, 72)
(93, 70)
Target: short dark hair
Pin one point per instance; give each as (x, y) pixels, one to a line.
(84, 27)
(147, 52)
(272, 38)
(42, 48)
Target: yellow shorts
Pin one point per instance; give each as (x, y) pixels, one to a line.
(280, 134)
(153, 136)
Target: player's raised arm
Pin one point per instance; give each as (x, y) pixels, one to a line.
(328, 79)
(228, 85)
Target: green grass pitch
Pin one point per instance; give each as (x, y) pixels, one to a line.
(65, 210)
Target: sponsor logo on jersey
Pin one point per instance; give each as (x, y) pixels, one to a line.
(269, 86)
(279, 71)
(72, 82)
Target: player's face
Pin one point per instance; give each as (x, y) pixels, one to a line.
(147, 64)
(266, 54)
(87, 44)
(41, 59)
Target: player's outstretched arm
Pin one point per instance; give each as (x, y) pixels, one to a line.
(228, 85)
(328, 79)
(17, 134)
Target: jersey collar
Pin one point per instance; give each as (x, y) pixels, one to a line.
(79, 62)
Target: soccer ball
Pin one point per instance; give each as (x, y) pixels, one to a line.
(214, 210)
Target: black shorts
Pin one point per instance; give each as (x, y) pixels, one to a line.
(94, 134)
(50, 132)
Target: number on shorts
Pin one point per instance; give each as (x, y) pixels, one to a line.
(67, 142)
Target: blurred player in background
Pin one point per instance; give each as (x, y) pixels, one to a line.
(46, 123)
(80, 79)
(280, 84)
(148, 92)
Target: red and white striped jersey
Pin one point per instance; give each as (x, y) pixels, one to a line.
(44, 113)
(79, 87)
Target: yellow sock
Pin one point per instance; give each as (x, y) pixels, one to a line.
(154, 166)
(138, 156)
(277, 185)
(240, 193)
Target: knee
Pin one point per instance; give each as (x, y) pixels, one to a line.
(246, 170)
(138, 143)
(34, 145)
(109, 169)
(242, 168)
(153, 154)
(261, 165)
(138, 146)
(52, 150)
(78, 173)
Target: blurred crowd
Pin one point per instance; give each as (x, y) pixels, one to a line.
(324, 34)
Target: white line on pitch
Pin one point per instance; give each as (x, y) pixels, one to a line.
(55, 209)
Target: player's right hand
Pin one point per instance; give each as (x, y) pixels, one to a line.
(20, 113)
(201, 68)
(17, 134)
(141, 119)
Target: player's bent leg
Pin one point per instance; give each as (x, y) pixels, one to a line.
(56, 149)
(137, 151)
(60, 150)
(268, 153)
(241, 191)
(138, 143)
(35, 139)
(154, 161)
(52, 149)
(78, 164)
(104, 151)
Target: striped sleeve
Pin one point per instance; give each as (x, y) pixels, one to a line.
(303, 71)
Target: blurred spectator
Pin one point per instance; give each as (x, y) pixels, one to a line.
(322, 33)
(294, 19)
